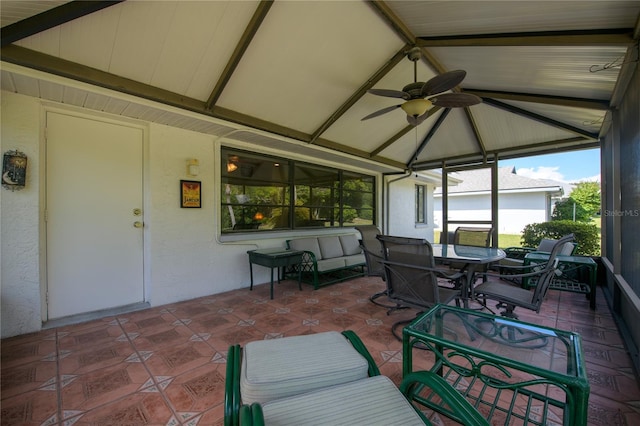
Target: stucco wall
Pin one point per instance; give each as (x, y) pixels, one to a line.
(401, 212)
(184, 255)
(515, 210)
(19, 225)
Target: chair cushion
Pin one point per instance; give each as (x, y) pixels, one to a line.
(356, 259)
(330, 247)
(307, 244)
(350, 245)
(331, 264)
(371, 401)
(546, 245)
(278, 368)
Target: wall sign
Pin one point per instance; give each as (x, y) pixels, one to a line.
(190, 194)
(14, 170)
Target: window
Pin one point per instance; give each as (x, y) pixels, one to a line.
(261, 193)
(421, 204)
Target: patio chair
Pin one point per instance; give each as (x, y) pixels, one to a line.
(509, 296)
(515, 255)
(265, 370)
(372, 249)
(411, 276)
(365, 402)
(470, 236)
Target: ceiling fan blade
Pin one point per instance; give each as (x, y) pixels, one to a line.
(390, 93)
(455, 100)
(380, 112)
(443, 82)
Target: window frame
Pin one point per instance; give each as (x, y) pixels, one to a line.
(331, 207)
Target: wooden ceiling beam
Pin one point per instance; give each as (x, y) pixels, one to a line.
(252, 28)
(539, 118)
(377, 76)
(605, 37)
(601, 105)
(51, 18)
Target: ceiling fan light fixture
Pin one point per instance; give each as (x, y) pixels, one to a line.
(416, 107)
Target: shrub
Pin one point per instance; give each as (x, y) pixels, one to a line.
(586, 235)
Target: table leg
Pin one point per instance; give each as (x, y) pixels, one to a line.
(251, 273)
(271, 282)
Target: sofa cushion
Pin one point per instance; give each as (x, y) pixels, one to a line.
(356, 259)
(331, 264)
(307, 244)
(330, 247)
(278, 368)
(371, 401)
(350, 244)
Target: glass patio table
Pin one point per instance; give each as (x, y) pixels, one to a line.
(511, 371)
(471, 257)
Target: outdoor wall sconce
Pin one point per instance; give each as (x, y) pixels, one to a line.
(193, 167)
(14, 170)
(232, 164)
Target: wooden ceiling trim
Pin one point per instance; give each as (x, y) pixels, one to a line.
(540, 118)
(549, 147)
(248, 35)
(377, 76)
(605, 37)
(61, 67)
(474, 127)
(358, 153)
(51, 18)
(601, 105)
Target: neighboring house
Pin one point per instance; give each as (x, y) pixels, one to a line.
(521, 200)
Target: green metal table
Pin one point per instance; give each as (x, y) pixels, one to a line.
(512, 372)
(578, 274)
(274, 258)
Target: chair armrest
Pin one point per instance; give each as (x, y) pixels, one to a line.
(518, 252)
(436, 271)
(232, 386)
(251, 415)
(414, 382)
(355, 341)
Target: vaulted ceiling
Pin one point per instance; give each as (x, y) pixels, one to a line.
(294, 75)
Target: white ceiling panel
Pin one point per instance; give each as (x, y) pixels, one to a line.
(307, 60)
(301, 79)
(559, 71)
(441, 18)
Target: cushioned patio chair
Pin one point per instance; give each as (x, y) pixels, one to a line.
(365, 402)
(515, 255)
(509, 296)
(265, 370)
(411, 275)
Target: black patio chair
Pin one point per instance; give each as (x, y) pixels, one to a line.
(509, 296)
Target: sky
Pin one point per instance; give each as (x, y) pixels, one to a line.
(570, 167)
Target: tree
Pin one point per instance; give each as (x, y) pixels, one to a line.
(581, 205)
(587, 194)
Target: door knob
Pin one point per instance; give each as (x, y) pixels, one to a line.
(137, 224)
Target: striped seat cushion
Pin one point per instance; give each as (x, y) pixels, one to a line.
(278, 368)
(371, 401)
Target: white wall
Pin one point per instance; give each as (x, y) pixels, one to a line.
(401, 193)
(184, 257)
(516, 210)
(20, 220)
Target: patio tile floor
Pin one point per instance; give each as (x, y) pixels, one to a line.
(166, 365)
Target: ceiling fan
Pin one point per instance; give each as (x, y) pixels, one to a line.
(417, 105)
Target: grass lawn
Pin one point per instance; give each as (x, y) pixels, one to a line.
(504, 240)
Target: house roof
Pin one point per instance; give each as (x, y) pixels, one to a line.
(479, 181)
(294, 75)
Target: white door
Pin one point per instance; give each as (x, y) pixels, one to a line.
(93, 205)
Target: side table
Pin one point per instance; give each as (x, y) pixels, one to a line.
(274, 258)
